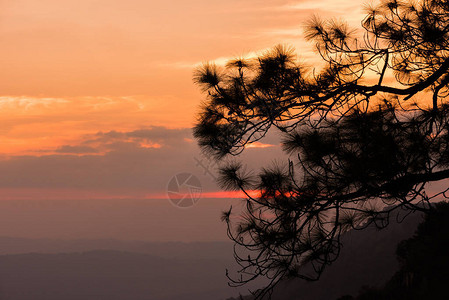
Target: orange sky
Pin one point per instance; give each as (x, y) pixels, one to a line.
(74, 70)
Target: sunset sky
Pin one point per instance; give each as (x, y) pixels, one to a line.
(96, 96)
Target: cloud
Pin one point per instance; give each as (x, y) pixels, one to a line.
(67, 149)
(94, 91)
(120, 164)
(40, 124)
(124, 161)
(259, 145)
(29, 103)
(150, 137)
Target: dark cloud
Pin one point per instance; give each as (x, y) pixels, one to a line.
(76, 149)
(129, 166)
(159, 133)
(155, 136)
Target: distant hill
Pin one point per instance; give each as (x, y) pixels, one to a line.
(47, 269)
(367, 259)
(206, 250)
(110, 275)
(50, 269)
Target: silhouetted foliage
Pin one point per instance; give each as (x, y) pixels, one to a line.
(424, 263)
(364, 135)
